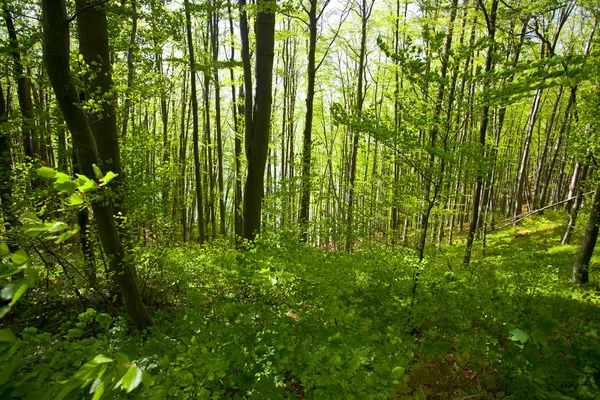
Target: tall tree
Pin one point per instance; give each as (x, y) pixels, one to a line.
(365, 8)
(490, 19)
(56, 58)
(581, 267)
(311, 71)
(5, 159)
(257, 140)
(30, 144)
(196, 126)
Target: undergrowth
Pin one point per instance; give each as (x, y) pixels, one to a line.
(286, 320)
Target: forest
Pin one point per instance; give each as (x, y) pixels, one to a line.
(299, 199)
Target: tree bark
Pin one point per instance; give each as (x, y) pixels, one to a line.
(257, 142)
(130, 69)
(580, 269)
(237, 202)
(23, 87)
(5, 161)
(195, 131)
(56, 58)
(214, 35)
(365, 14)
(483, 125)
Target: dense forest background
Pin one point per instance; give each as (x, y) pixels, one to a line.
(411, 187)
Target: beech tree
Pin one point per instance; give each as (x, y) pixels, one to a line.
(257, 135)
(56, 57)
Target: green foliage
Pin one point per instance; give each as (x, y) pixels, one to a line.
(282, 320)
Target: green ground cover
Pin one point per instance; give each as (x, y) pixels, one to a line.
(290, 321)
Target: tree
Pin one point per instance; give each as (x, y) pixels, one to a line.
(257, 139)
(56, 58)
(195, 132)
(582, 263)
(490, 19)
(30, 143)
(311, 71)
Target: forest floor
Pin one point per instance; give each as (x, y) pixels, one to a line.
(291, 321)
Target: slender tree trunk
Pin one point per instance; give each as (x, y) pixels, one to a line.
(195, 133)
(130, 69)
(237, 203)
(5, 162)
(365, 13)
(491, 26)
(23, 86)
(561, 133)
(214, 34)
(307, 142)
(522, 173)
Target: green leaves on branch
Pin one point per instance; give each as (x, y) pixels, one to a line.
(97, 378)
(63, 182)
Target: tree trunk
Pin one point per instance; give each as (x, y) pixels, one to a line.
(194, 95)
(365, 14)
(580, 269)
(56, 57)
(257, 143)
(237, 202)
(23, 87)
(307, 141)
(130, 70)
(214, 35)
(491, 26)
(5, 162)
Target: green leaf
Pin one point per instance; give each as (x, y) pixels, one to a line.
(19, 257)
(75, 199)
(97, 389)
(15, 290)
(74, 333)
(97, 171)
(57, 226)
(7, 336)
(518, 335)
(46, 172)
(4, 310)
(31, 218)
(4, 250)
(101, 359)
(132, 378)
(107, 178)
(66, 236)
(85, 184)
(65, 186)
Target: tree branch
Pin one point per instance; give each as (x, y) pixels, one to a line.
(98, 3)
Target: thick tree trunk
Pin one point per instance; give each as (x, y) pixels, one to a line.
(257, 143)
(56, 57)
(195, 133)
(580, 269)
